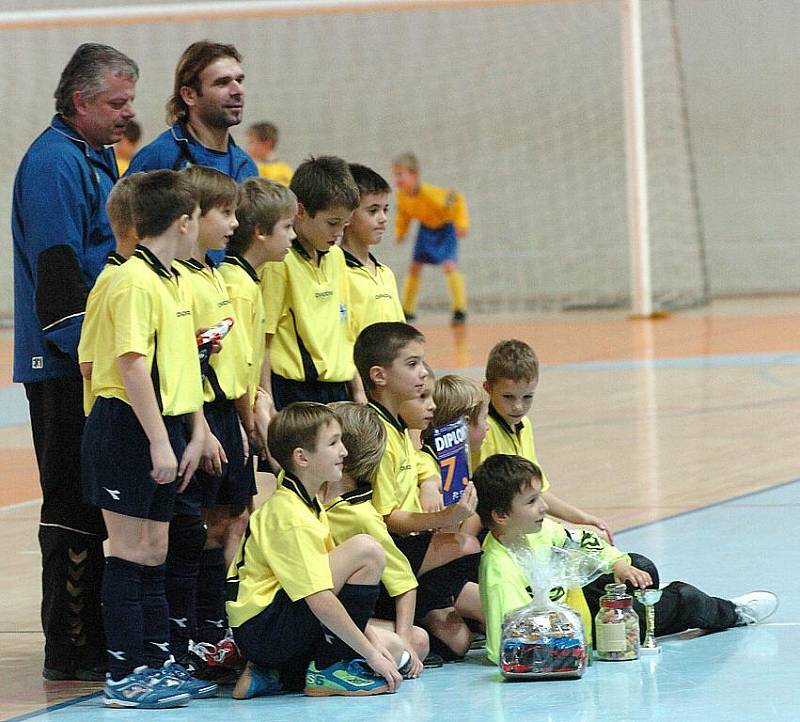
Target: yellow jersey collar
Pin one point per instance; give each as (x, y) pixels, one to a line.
(151, 260)
(290, 482)
(237, 260)
(115, 259)
(353, 262)
(493, 413)
(388, 416)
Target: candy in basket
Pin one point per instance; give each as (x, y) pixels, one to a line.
(545, 639)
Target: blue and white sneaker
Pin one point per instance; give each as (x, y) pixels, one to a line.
(142, 689)
(257, 681)
(176, 677)
(348, 678)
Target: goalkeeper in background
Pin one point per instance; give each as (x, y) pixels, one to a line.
(443, 220)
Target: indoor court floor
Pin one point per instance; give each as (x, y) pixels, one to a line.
(681, 432)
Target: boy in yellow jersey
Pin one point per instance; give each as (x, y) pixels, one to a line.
(443, 220)
(125, 149)
(298, 603)
(262, 146)
(309, 342)
(347, 504)
(390, 360)
(265, 212)
(512, 375)
(511, 505)
(120, 216)
(373, 288)
(211, 512)
(134, 455)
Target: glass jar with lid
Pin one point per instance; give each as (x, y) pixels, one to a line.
(616, 626)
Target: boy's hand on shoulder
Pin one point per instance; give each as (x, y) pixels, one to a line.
(165, 465)
(605, 530)
(625, 573)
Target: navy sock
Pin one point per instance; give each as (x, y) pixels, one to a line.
(155, 630)
(187, 537)
(212, 622)
(359, 601)
(123, 617)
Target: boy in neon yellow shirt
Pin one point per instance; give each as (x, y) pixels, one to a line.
(511, 505)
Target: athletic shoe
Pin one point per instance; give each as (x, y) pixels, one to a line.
(433, 661)
(348, 678)
(459, 318)
(404, 666)
(93, 674)
(143, 689)
(257, 681)
(176, 677)
(755, 607)
(478, 641)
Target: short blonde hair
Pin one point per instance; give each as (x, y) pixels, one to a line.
(260, 204)
(407, 160)
(364, 437)
(213, 189)
(456, 396)
(119, 208)
(297, 426)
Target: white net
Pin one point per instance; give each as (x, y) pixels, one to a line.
(520, 106)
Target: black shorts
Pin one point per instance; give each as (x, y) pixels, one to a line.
(284, 636)
(236, 485)
(286, 391)
(438, 588)
(116, 464)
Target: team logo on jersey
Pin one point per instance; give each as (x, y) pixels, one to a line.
(163, 646)
(342, 312)
(113, 493)
(218, 623)
(119, 656)
(37, 362)
(182, 622)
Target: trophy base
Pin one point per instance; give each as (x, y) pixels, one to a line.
(649, 650)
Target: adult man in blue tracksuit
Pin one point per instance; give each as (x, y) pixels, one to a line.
(207, 100)
(62, 238)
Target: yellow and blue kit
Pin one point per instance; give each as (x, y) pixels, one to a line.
(373, 298)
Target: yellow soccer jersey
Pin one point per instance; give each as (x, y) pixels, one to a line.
(306, 308)
(504, 586)
(149, 312)
(210, 305)
(372, 298)
(276, 170)
(244, 290)
(395, 485)
(502, 439)
(432, 207)
(351, 514)
(427, 464)
(122, 165)
(92, 325)
(285, 546)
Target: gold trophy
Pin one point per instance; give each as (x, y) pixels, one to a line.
(649, 598)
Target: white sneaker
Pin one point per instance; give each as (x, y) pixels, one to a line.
(755, 607)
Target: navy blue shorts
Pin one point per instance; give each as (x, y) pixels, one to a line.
(287, 391)
(438, 588)
(436, 245)
(284, 636)
(236, 486)
(116, 465)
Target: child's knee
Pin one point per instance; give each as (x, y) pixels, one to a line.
(450, 629)
(468, 544)
(369, 552)
(420, 641)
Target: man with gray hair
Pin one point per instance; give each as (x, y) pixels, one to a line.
(62, 238)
